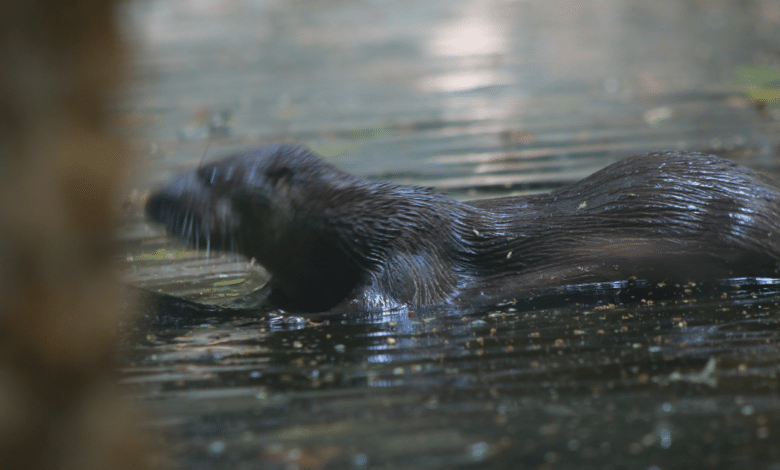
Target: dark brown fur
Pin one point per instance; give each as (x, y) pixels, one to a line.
(333, 240)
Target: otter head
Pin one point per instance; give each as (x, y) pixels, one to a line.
(274, 204)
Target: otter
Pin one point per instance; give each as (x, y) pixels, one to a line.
(337, 242)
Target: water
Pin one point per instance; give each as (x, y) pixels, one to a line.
(476, 98)
(686, 380)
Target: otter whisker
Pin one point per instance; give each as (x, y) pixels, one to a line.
(191, 233)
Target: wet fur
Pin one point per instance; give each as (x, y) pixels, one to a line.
(333, 240)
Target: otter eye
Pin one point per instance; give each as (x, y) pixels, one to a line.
(215, 176)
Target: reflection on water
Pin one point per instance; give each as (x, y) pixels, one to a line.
(592, 82)
(474, 39)
(475, 33)
(593, 377)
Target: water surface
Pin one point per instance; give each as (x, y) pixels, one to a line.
(476, 98)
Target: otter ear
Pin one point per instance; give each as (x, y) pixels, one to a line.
(279, 175)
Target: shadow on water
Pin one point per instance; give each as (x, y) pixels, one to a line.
(619, 375)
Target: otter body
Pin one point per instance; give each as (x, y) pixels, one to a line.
(334, 241)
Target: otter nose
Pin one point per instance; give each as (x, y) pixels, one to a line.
(166, 204)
